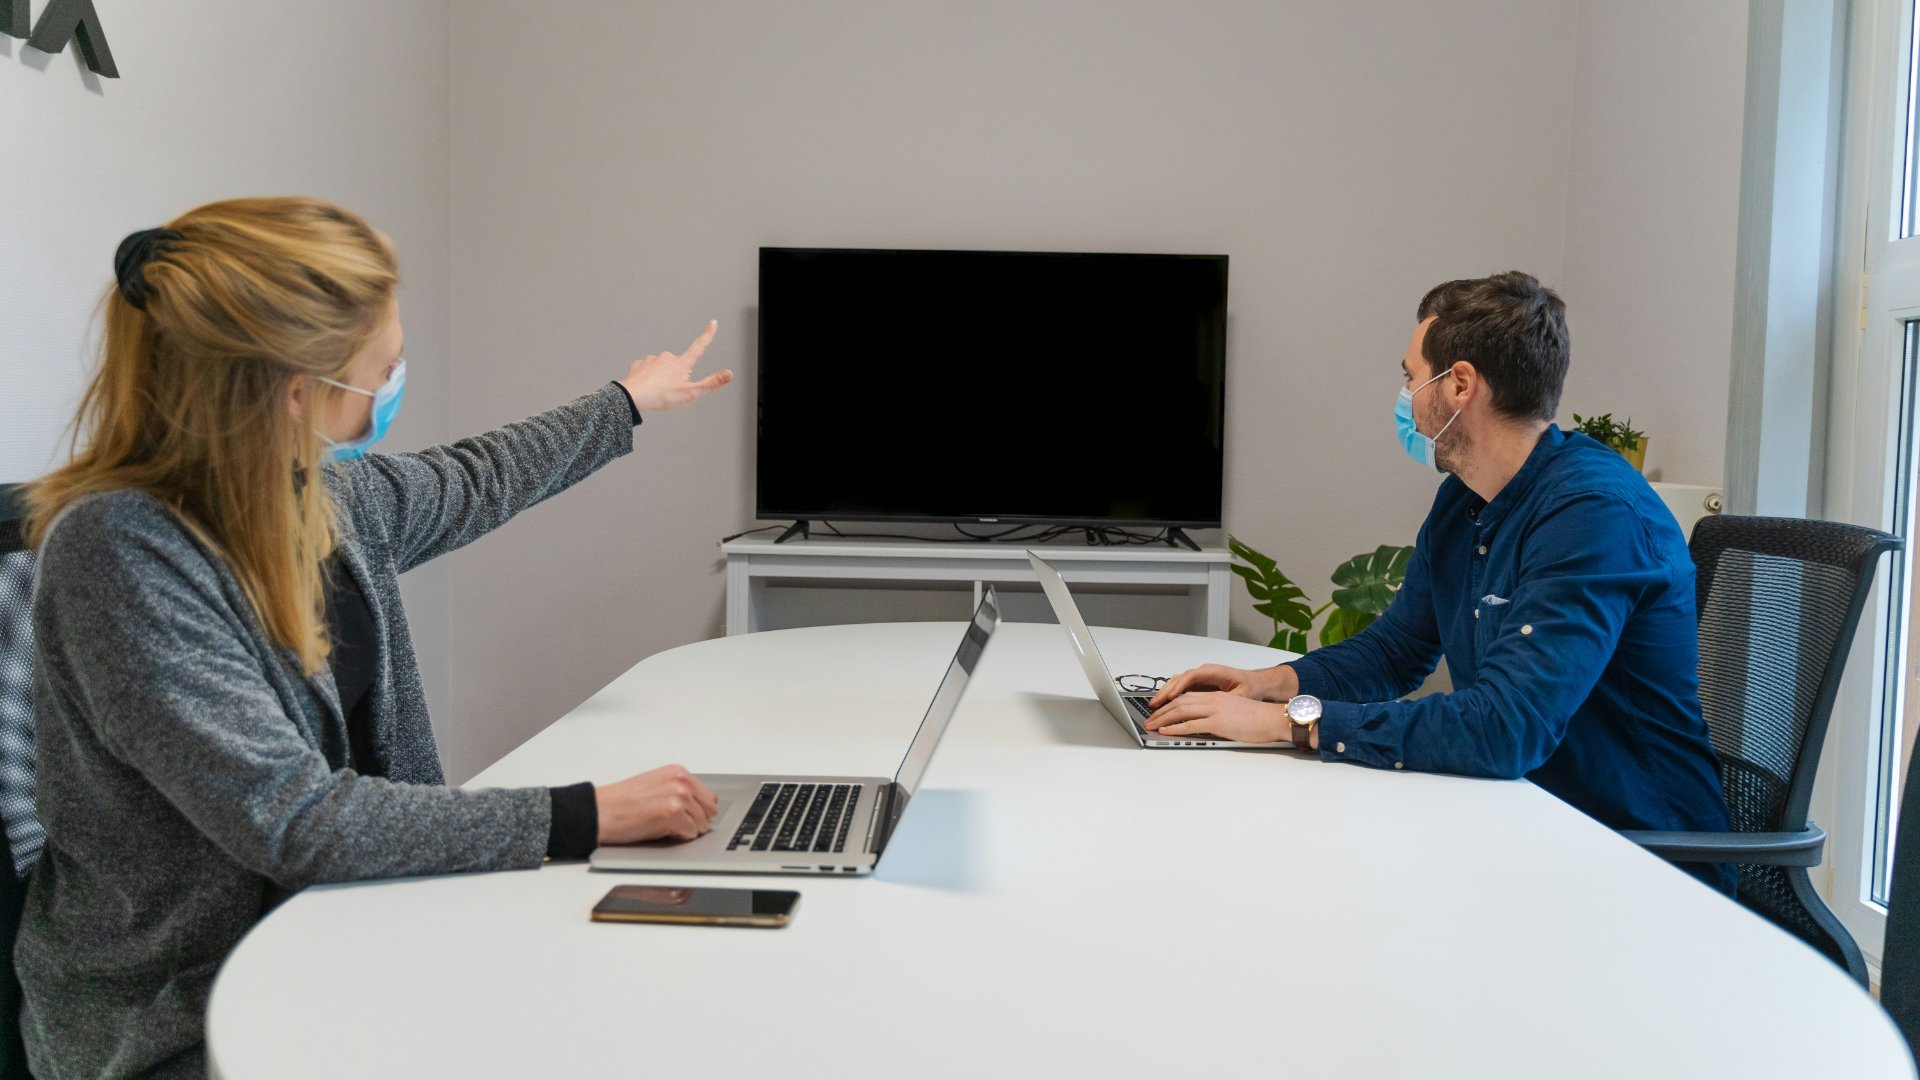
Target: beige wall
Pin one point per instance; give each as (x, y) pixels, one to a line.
(218, 98)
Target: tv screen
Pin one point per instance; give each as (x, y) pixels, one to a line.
(991, 386)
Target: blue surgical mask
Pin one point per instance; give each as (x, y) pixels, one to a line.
(1418, 447)
(386, 406)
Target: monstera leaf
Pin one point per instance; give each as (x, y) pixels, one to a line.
(1343, 623)
(1275, 596)
(1363, 587)
(1366, 583)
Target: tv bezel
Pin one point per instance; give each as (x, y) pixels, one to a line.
(762, 513)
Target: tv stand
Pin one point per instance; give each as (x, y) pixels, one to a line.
(1177, 537)
(798, 528)
(865, 572)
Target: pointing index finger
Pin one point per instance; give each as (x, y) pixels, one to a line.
(700, 343)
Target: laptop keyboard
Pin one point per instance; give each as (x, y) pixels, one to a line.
(798, 817)
(1139, 706)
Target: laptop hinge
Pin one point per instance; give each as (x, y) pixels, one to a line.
(887, 808)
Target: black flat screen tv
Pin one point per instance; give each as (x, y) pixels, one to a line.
(991, 387)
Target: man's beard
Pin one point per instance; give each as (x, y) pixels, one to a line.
(1451, 448)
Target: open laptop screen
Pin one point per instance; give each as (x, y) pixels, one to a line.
(947, 698)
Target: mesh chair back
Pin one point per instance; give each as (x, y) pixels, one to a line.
(23, 832)
(1779, 600)
(16, 766)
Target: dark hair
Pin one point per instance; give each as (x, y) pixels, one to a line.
(1511, 328)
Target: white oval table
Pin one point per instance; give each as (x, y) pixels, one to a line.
(1058, 902)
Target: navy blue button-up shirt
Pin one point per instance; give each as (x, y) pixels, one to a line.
(1565, 609)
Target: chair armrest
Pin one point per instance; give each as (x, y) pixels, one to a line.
(1762, 849)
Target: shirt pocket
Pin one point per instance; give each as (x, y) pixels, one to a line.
(1489, 617)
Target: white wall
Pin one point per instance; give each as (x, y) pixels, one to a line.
(612, 183)
(596, 192)
(217, 98)
(1652, 211)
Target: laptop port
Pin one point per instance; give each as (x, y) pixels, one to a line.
(826, 869)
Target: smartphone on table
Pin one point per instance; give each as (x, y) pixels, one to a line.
(700, 906)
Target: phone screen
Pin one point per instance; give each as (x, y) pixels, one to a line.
(673, 903)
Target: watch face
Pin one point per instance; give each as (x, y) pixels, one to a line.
(1304, 708)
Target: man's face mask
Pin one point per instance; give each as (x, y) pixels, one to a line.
(386, 406)
(1418, 447)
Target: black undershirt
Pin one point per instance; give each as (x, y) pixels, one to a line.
(354, 661)
(575, 826)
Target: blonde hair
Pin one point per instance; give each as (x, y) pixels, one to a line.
(190, 400)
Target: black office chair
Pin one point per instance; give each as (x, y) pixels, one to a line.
(1779, 599)
(1900, 959)
(20, 838)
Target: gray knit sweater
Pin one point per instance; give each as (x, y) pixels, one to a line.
(190, 777)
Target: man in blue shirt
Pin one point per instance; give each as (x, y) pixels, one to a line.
(1548, 573)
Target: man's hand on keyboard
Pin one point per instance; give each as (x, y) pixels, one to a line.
(1264, 684)
(1228, 715)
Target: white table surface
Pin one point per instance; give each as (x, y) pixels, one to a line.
(1058, 902)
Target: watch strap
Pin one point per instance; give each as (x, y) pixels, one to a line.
(1302, 735)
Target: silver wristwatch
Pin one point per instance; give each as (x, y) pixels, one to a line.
(1304, 711)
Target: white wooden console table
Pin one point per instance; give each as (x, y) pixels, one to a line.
(753, 564)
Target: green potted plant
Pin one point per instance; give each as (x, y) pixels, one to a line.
(1363, 587)
(1631, 443)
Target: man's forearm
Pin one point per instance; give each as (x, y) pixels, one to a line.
(1280, 684)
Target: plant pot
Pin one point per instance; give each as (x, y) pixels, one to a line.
(1638, 455)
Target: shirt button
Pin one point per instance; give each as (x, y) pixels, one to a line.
(1527, 629)
(1399, 764)
(1339, 748)
(1483, 549)
(1476, 613)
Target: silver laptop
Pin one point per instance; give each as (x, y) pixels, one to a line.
(1130, 709)
(814, 824)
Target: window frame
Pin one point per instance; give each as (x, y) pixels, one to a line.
(1873, 302)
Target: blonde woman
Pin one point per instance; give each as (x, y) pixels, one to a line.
(227, 703)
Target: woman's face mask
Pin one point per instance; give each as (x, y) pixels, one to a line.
(1418, 447)
(386, 405)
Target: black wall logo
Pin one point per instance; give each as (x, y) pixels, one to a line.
(60, 21)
